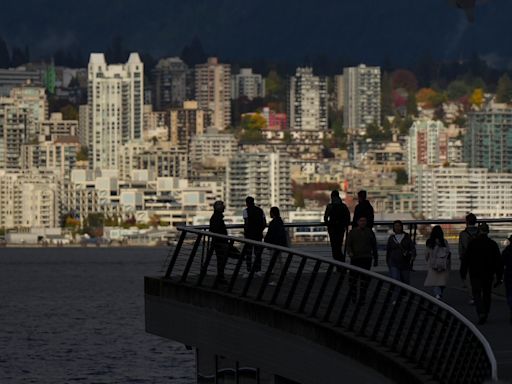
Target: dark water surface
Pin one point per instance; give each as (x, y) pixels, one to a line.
(72, 315)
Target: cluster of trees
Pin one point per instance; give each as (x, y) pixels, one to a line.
(16, 57)
(95, 222)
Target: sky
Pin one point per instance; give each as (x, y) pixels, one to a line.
(362, 30)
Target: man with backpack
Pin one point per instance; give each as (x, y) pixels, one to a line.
(484, 261)
(337, 219)
(254, 224)
(468, 234)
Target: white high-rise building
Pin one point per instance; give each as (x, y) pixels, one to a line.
(248, 84)
(451, 192)
(213, 91)
(307, 101)
(265, 176)
(115, 101)
(361, 91)
(29, 200)
(427, 144)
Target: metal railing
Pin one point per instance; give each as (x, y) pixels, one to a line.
(429, 336)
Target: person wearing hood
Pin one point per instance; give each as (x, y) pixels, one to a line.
(337, 220)
(468, 234)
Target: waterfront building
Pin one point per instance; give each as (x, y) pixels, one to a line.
(452, 192)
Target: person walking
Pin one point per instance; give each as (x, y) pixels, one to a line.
(484, 262)
(363, 209)
(277, 235)
(254, 224)
(507, 262)
(400, 252)
(220, 246)
(337, 220)
(362, 249)
(468, 234)
(438, 257)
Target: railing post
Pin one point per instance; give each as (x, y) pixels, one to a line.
(279, 284)
(321, 293)
(191, 258)
(175, 255)
(298, 275)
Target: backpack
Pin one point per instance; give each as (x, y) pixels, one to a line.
(440, 258)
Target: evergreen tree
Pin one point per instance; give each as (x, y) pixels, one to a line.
(18, 57)
(504, 90)
(411, 106)
(386, 96)
(193, 53)
(4, 54)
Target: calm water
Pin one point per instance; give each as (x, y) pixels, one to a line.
(77, 315)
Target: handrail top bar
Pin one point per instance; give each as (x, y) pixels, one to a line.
(375, 275)
(375, 223)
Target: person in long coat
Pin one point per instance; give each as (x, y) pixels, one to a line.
(437, 251)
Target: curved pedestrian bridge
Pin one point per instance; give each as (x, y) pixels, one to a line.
(306, 318)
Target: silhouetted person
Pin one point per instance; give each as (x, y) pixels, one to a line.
(362, 249)
(468, 234)
(254, 224)
(221, 246)
(337, 219)
(400, 251)
(276, 234)
(438, 257)
(363, 209)
(484, 262)
(507, 261)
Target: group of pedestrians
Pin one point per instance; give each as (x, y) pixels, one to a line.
(480, 257)
(255, 223)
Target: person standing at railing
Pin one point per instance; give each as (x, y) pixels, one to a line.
(468, 234)
(337, 220)
(400, 251)
(277, 235)
(507, 261)
(484, 262)
(254, 224)
(362, 249)
(438, 257)
(363, 209)
(221, 246)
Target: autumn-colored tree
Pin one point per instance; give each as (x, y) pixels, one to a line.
(425, 97)
(154, 220)
(477, 97)
(253, 121)
(403, 78)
